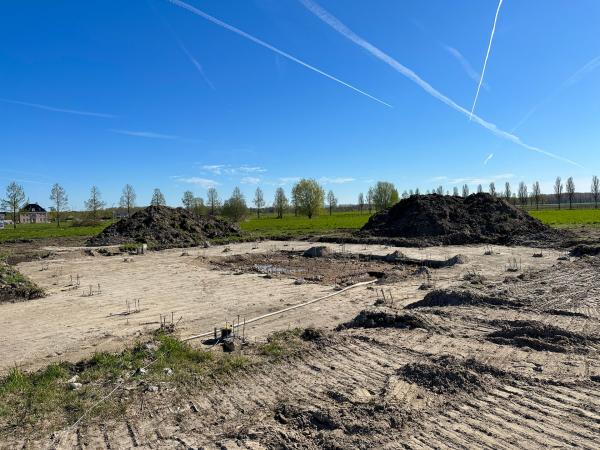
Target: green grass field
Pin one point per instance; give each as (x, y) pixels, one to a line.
(568, 217)
(270, 226)
(49, 230)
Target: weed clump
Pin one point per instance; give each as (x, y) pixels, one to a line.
(60, 394)
(282, 343)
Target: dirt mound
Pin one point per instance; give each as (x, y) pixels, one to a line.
(15, 287)
(585, 250)
(311, 334)
(450, 375)
(163, 227)
(460, 297)
(320, 251)
(338, 424)
(387, 318)
(538, 336)
(478, 218)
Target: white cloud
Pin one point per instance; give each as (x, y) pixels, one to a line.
(202, 182)
(250, 180)
(215, 169)
(250, 169)
(287, 180)
(223, 169)
(337, 180)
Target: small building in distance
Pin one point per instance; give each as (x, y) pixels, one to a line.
(33, 213)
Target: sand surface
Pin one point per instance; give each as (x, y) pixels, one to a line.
(69, 324)
(348, 389)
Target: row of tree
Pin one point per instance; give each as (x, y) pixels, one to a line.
(522, 195)
(307, 198)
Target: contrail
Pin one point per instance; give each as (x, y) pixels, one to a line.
(334, 23)
(62, 110)
(589, 67)
(486, 59)
(183, 48)
(465, 65)
(235, 30)
(490, 156)
(196, 64)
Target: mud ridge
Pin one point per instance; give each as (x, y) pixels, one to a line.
(450, 375)
(462, 297)
(585, 250)
(539, 336)
(388, 318)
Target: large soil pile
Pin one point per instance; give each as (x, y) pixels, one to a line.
(163, 227)
(479, 218)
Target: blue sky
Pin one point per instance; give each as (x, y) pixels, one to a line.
(153, 93)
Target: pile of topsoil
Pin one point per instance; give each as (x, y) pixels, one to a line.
(15, 287)
(442, 219)
(163, 227)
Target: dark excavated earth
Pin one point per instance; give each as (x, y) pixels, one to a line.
(450, 220)
(162, 227)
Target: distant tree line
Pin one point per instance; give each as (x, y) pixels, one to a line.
(307, 198)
